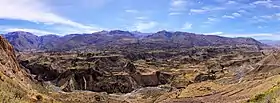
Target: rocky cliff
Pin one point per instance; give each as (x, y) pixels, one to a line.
(15, 84)
(111, 74)
(18, 86)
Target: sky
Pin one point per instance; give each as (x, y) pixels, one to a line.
(259, 19)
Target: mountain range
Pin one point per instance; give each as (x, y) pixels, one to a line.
(274, 43)
(221, 72)
(25, 41)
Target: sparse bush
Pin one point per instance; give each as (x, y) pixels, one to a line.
(257, 98)
(39, 97)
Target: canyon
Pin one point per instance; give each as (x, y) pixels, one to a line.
(123, 67)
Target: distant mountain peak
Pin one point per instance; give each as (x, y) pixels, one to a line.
(102, 32)
(120, 32)
(165, 33)
(19, 32)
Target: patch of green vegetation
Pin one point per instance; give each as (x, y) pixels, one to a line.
(268, 96)
(182, 80)
(257, 98)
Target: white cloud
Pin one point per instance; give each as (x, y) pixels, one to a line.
(266, 3)
(91, 3)
(72, 30)
(206, 9)
(242, 11)
(35, 11)
(236, 14)
(260, 27)
(198, 11)
(214, 33)
(277, 14)
(257, 19)
(141, 18)
(178, 5)
(262, 2)
(267, 16)
(228, 16)
(213, 8)
(220, 1)
(34, 31)
(234, 4)
(55, 29)
(144, 25)
(232, 16)
(131, 11)
(187, 26)
(231, 2)
(241, 35)
(248, 35)
(211, 20)
(174, 13)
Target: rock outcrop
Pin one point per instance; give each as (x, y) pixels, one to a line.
(8, 63)
(111, 74)
(15, 84)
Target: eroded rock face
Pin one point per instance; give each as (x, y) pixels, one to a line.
(115, 72)
(122, 71)
(204, 77)
(8, 63)
(15, 83)
(111, 74)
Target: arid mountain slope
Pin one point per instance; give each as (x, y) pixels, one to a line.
(23, 40)
(117, 39)
(15, 84)
(111, 74)
(159, 68)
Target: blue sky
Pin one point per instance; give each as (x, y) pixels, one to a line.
(233, 18)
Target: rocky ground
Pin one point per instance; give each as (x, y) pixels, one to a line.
(205, 74)
(220, 74)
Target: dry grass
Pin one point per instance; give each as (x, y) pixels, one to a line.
(200, 89)
(270, 96)
(13, 91)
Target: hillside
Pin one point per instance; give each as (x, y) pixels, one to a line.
(16, 84)
(24, 41)
(162, 67)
